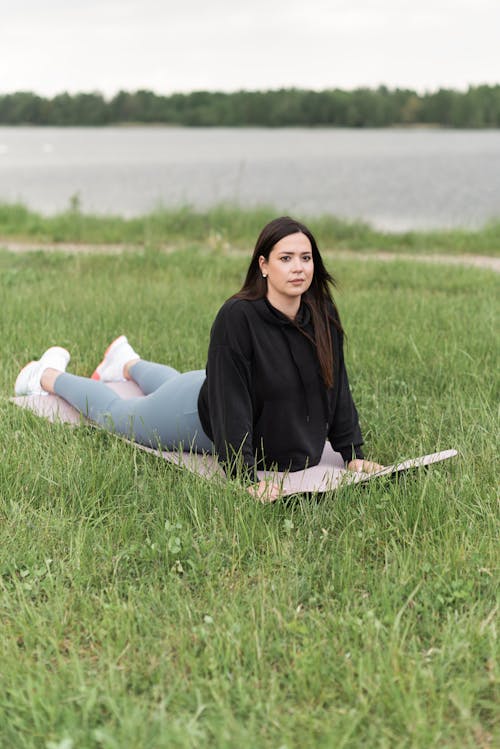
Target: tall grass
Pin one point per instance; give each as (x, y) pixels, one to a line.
(226, 225)
(142, 606)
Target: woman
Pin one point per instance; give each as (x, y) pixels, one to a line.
(275, 386)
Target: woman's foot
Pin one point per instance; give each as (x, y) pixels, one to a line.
(28, 380)
(113, 367)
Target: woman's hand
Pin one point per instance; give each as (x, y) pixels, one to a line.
(365, 466)
(264, 491)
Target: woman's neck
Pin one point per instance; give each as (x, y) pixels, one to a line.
(287, 306)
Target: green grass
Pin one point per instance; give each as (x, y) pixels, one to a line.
(141, 606)
(228, 226)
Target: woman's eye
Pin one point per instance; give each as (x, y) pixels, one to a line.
(306, 258)
(285, 258)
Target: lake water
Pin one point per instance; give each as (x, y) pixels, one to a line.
(396, 179)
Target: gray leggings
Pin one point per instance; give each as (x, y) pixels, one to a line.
(167, 416)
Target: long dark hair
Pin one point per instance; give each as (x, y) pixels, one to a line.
(318, 297)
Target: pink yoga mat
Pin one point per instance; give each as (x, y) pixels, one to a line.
(328, 475)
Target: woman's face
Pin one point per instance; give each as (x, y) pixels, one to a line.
(289, 268)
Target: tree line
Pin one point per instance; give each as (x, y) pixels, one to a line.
(478, 107)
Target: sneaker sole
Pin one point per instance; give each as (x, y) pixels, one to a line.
(96, 374)
(19, 377)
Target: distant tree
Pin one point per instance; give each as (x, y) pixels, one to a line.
(90, 109)
(22, 108)
(61, 110)
(410, 111)
(478, 107)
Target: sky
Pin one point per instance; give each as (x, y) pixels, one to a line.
(52, 46)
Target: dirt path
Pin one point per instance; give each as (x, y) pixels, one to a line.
(473, 261)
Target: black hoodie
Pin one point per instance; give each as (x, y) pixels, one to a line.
(264, 399)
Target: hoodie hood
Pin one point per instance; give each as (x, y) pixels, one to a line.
(275, 317)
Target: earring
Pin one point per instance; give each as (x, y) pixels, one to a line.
(264, 275)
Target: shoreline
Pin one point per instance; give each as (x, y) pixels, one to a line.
(224, 227)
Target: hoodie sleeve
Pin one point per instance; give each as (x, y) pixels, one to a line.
(345, 433)
(229, 393)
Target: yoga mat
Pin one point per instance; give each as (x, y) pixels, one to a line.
(328, 475)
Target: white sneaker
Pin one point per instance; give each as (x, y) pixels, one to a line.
(28, 379)
(116, 356)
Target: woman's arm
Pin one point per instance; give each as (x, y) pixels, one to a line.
(231, 412)
(228, 392)
(345, 433)
(233, 421)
